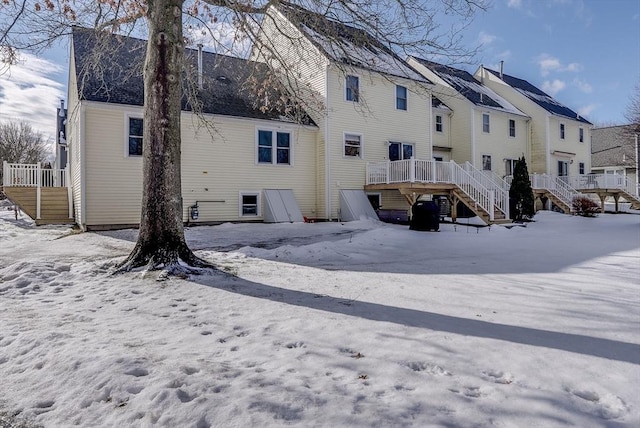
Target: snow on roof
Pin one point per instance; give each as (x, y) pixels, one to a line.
(470, 88)
(544, 100)
(349, 45)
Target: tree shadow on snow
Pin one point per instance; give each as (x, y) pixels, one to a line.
(576, 343)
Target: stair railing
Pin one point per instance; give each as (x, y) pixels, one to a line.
(493, 182)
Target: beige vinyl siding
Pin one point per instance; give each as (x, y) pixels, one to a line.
(216, 166)
(497, 142)
(305, 71)
(442, 139)
(376, 119)
(570, 144)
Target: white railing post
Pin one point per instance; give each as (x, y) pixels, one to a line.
(38, 190)
(67, 184)
(412, 170)
(5, 173)
(388, 171)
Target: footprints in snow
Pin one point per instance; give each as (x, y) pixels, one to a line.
(605, 406)
(24, 278)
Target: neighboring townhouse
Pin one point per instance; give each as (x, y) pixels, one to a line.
(369, 104)
(614, 151)
(560, 138)
(486, 129)
(243, 158)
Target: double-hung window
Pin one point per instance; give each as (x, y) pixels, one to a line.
(400, 151)
(401, 97)
(581, 135)
(485, 123)
(353, 88)
(135, 136)
(274, 147)
(438, 123)
(562, 131)
(353, 145)
(509, 166)
(512, 128)
(581, 168)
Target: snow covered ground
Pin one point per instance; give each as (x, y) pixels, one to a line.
(331, 325)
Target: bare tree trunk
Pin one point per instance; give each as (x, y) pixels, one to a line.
(161, 242)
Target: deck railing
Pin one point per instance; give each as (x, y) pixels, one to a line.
(557, 186)
(602, 181)
(430, 171)
(493, 182)
(32, 175)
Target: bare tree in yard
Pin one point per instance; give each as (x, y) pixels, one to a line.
(20, 143)
(401, 26)
(633, 108)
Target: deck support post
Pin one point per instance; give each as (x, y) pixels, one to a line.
(615, 199)
(454, 208)
(38, 189)
(602, 198)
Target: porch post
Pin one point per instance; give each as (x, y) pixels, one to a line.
(38, 190)
(67, 179)
(388, 171)
(412, 169)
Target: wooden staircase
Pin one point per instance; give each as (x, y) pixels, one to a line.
(54, 203)
(539, 193)
(633, 200)
(498, 216)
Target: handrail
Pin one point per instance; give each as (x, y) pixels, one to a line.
(32, 175)
(603, 181)
(555, 185)
(493, 182)
(431, 171)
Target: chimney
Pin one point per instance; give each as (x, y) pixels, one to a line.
(501, 69)
(482, 74)
(61, 111)
(200, 66)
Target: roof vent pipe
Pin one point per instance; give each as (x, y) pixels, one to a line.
(200, 66)
(501, 69)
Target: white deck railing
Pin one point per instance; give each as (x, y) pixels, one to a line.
(557, 186)
(493, 182)
(602, 181)
(430, 171)
(32, 175)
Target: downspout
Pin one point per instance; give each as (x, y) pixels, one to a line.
(83, 170)
(431, 122)
(200, 85)
(473, 137)
(327, 149)
(637, 189)
(547, 147)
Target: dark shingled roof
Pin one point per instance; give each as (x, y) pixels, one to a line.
(109, 69)
(537, 96)
(348, 45)
(465, 84)
(437, 103)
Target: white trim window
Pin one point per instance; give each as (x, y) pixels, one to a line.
(400, 151)
(581, 135)
(509, 166)
(562, 131)
(581, 167)
(135, 128)
(353, 145)
(249, 204)
(512, 128)
(401, 98)
(273, 147)
(486, 122)
(352, 88)
(486, 162)
(439, 127)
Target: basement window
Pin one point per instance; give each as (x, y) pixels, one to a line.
(249, 204)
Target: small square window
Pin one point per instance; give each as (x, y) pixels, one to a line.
(438, 123)
(249, 204)
(486, 162)
(401, 97)
(352, 145)
(353, 88)
(512, 128)
(485, 123)
(581, 135)
(562, 131)
(135, 136)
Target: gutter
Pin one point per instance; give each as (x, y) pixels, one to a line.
(327, 150)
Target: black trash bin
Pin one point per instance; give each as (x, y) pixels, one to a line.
(426, 216)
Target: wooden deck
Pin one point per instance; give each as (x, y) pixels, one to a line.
(54, 203)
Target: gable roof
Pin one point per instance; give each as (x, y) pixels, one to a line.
(474, 91)
(545, 101)
(437, 103)
(613, 146)
(348, 45)
(109, 70)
